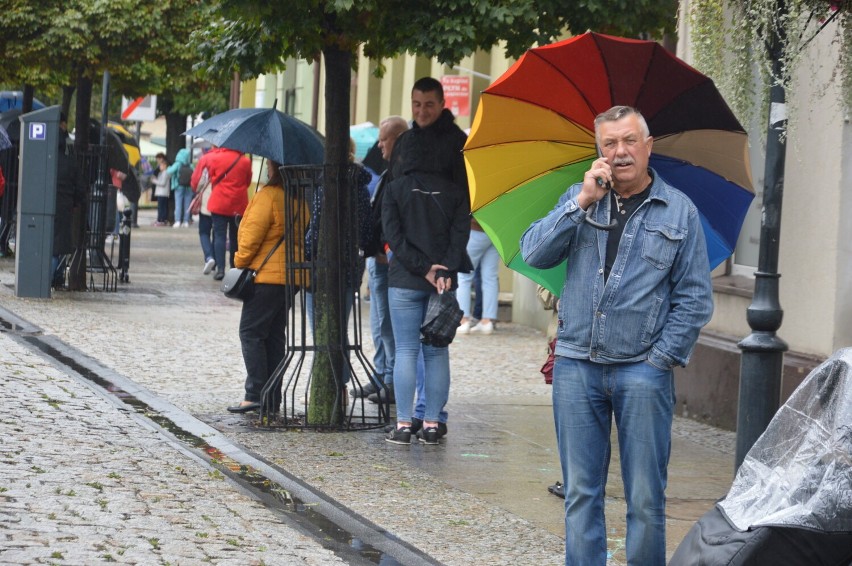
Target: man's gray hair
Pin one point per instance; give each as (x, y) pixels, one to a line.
(395, 124)
(617, 113)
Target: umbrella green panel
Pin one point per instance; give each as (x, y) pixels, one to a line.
(506, 218)
(493, 171)
(551, 279)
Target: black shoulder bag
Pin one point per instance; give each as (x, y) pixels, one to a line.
(238, 283)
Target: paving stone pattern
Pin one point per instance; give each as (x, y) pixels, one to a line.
(83, 482)
(86, 480)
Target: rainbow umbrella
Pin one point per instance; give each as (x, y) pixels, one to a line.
(533, 137)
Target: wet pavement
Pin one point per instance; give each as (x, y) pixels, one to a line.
(116, 446)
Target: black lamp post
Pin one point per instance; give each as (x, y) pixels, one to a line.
(762, 360)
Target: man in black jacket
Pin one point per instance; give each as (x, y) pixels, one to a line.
(426, 223)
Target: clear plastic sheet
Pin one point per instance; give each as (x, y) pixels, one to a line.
(799, 472)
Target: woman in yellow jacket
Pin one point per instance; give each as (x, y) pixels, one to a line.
(263, 323)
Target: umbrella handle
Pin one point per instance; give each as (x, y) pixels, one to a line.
(613, 224)
(608, 185)
(600, 226)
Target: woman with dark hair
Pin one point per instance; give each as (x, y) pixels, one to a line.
(263, 322)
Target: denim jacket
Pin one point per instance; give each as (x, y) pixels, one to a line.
(658, 295)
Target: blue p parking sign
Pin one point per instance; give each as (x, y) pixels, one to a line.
(38, 130)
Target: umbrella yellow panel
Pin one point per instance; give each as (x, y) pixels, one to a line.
(493, 170)
(133, 154)
(502, 120)
(507, 218)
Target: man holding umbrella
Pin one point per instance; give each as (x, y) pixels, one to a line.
(230, 174)
(634, 300)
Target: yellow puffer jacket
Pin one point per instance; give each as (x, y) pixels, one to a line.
(261, 228)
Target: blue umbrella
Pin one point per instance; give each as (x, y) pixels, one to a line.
(5, 142)
(265, 132)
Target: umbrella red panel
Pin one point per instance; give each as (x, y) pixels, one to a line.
(534, 80)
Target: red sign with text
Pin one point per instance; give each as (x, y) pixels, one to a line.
(456, 94)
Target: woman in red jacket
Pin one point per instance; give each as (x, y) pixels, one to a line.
(230, 172)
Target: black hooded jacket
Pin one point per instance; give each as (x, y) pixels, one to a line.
(425, 204)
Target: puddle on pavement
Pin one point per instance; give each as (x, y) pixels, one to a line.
(271, 494)
(6, 326)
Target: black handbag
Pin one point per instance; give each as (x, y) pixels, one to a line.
(442, 319)
(238, 283)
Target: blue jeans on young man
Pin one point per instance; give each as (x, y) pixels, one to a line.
(183, 196)
(380, 321)
(586, 395)
(408, 307)
(224, 229)
(420, 406)
(205, 234)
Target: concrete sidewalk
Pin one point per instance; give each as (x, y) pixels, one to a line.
(478, 498)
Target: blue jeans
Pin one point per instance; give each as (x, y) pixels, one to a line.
(586, 395)
(224, 228)
(380, 320)
(477, 290)
(420, 406)
(162, 209)
(408, 307)
(484, 255)
(205, 233)
(182, 197)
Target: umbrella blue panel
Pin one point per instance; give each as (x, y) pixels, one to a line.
(723, 204)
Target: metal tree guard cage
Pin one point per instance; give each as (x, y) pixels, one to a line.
(93, 164)
(296, 373)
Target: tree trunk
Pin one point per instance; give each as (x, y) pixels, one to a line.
(67, 95)
(27, 100)
(77, 272)
(175, 140)
(330, 363)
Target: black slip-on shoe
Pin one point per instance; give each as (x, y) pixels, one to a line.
(244, 408)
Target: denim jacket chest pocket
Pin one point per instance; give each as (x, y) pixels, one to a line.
(585, 239)
(660, 244)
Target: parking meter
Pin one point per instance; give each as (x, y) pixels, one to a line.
(36, 202)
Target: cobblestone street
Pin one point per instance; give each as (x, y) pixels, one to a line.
(86, 478)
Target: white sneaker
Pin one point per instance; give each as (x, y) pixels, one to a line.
(463, 328)
(483, 328)
(185, 225)
(176, 225)
(208, 265)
